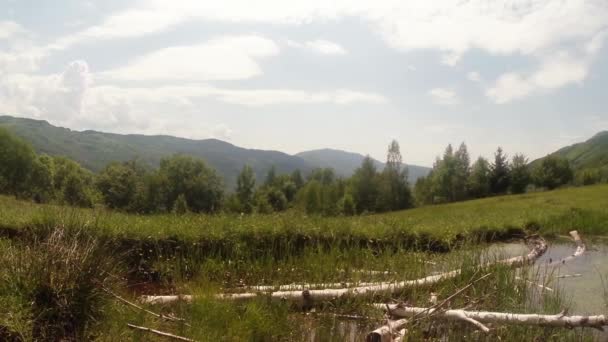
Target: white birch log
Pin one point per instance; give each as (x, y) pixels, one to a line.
(558, 320)
(306, 296)
(580, 250)
(386, 333)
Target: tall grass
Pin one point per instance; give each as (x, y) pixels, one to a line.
(51, 288)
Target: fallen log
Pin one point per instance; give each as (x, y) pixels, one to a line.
(559, 320)
(580, 250)
(306, 296)
(386, 333)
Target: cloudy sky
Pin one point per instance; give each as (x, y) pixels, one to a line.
(529, 75)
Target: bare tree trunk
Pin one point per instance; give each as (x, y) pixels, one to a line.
(558, 320)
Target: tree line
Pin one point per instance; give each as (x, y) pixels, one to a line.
(454, 178)
(187, 184)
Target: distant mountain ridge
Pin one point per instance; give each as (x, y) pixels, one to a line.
(94, 150)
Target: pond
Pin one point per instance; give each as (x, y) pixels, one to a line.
(584, 294)
(587, 292)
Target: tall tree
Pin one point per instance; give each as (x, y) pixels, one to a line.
(118, 185)
(394, 191)
(479, 180)
(245, 188)
(462, 170)
(393, 156)
(520, 174)
(365, 186)
(270, 176)
(200, 184)
(297, 179)
(16, 160)
(499, 173)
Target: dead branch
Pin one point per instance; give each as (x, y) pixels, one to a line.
(160, 333)
(161, 316)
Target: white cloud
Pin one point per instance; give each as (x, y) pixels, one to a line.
(452, 26)
(225, 58)
(325, 47)
(10, 29)
(474, 76)
(320, 46)
(444, 96)
(554, 72)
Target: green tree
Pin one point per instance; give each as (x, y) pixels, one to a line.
(245, 189)
(552, 172)
(312, 197)
(180, 206)
(479, 180)
(297, 179)
(73, 184)
(270, 176)
(394, 191)
(118, 186)
(499, 173)
(462, 170)
(365, 186)
(16, 161)
(423, 190)
(588, 176)
(520, 174)
(200, 184)
(347, 205)
(41, 179)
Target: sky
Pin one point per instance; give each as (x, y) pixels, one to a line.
(528, 75)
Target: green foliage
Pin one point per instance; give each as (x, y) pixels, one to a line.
(520, 174)
(192, 178)
(364, 185)
(552, 172)
(180, 206)
(41, 187)
(394, 189)
(499, 173)
(73, 184)
(479, 181)
(17, 159)
(118, 184)
(347, 205)
(58, 282)
(245, 189)
(588, 176)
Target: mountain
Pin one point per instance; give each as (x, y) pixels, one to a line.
(344, 163)
(94, 150)
(592, 153)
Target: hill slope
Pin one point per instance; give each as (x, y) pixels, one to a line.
(344, 163)
(592, 153)
(94, 149)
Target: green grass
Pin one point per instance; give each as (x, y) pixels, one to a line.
(583, 208)
(206, 255)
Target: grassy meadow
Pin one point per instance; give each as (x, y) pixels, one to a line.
(58, 263)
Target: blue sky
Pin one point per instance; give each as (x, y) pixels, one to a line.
(527, 75)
